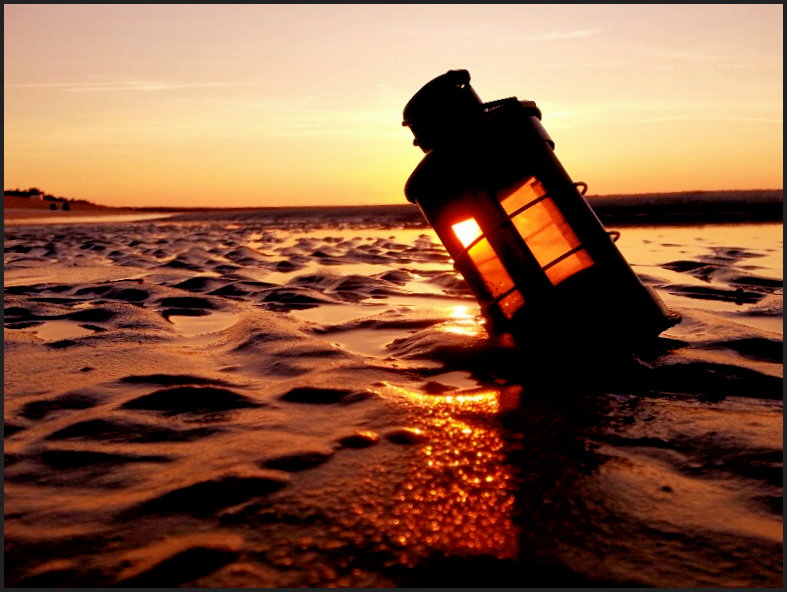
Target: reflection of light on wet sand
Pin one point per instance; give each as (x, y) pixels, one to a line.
(458, 495)
(374, 341)
(463, 322)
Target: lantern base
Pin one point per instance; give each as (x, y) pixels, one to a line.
(586, 342)
(581, 369)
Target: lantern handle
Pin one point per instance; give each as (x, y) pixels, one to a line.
(583, 188)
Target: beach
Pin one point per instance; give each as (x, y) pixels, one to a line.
(309, 397)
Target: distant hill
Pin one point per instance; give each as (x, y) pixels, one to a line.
(36, 199)
(690, 207)
(27, 204)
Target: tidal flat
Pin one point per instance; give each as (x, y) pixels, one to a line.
(312, 400)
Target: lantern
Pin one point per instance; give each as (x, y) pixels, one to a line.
(520, 232)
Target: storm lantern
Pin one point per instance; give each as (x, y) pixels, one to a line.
(520, 232)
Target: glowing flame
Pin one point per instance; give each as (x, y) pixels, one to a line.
(467, 231)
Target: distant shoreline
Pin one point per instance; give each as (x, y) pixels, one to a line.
(690, 207)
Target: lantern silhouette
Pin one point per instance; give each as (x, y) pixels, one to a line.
(520, 232)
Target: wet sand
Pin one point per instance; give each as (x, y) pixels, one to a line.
(302, 398)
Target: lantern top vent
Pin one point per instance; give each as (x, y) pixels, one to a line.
(447, 106)
(441, 108)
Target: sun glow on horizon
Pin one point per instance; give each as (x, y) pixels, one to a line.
(275, 105)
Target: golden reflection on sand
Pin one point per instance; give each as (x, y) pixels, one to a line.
(458, 495)
(463, 322)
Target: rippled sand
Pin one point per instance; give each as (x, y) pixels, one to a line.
(308, 401)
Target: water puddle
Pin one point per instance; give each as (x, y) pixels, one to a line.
(460, 380)
(368, 342)
(191, 326)
(59, 330)
(764, 323)
(337, 314)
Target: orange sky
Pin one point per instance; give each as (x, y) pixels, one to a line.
(267, 105)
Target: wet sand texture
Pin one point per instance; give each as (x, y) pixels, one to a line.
(261, 401)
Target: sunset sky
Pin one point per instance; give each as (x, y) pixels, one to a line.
(269, 105)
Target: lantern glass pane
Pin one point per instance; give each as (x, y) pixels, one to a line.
(531, 190)
(467, 231)
(511, 303)
(567, 267)
(546, 232)
(491, 268)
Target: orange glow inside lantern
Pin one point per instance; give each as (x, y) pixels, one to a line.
(491, 269)
(546, 232)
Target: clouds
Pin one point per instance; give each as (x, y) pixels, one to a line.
(560, 35)
(133, 85)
